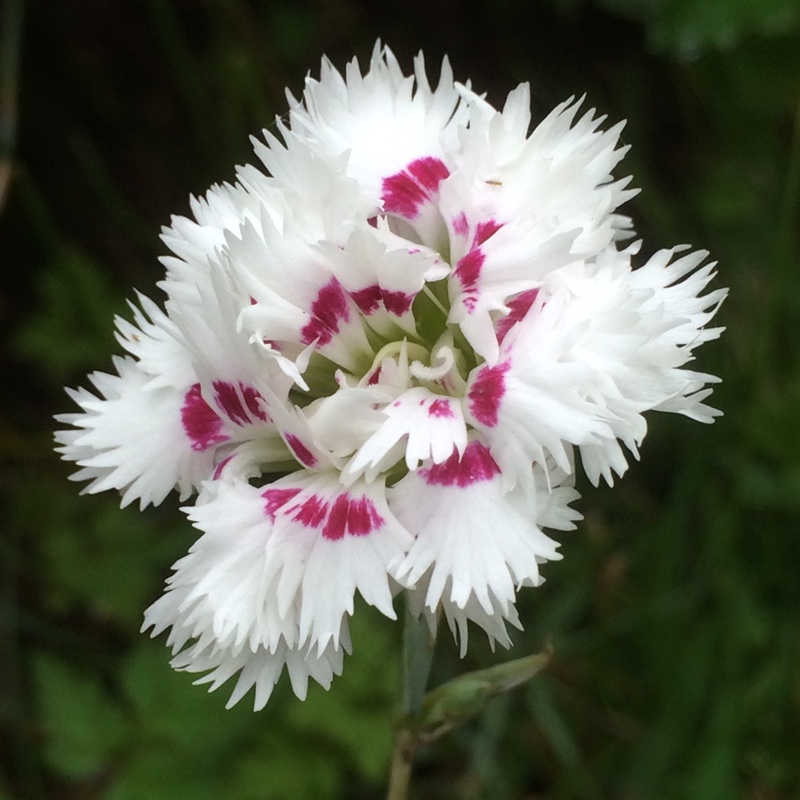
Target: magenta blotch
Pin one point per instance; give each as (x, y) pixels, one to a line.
(353, 516)
(358, 517)
(368, 299)
(441, 408)
(241, 406)
(468, 271)
(301, 452)
(328, 311)
(201, 423)
(276, 499)
(405, 191)
(397, 303)
(486, 392)
(517, 309)
(311, 512)
(486, 230)
(221, 466)
(469, 268)
(460, 224)
(475, 466)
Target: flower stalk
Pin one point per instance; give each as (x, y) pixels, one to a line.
(428, 716)
(418, 648)
(402, 762)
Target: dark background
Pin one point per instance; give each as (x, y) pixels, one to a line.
(676, 612)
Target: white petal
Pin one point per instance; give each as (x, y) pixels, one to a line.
(473, 540)
(137, 439)
(432, 425)
(157, 345)
(458, 617)
(510, 261)
(333, 542)
(312, 308)
(599, 346)
(378, 119)
(382, 282)
(340, 423)
(222, 602)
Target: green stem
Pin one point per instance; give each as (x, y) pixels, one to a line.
(418, 646)
(400, 774)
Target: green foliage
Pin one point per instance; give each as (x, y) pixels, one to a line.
(282, 766)
(174, 715)
(73, 329)
(83, 730)
(354, 713)
(688, 28)
(164, 773)
(95, 557)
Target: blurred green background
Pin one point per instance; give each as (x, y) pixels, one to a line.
(676, 612)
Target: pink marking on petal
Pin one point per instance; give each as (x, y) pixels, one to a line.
(358, 517)
(404, 192)
(486, 230)
(460, 224)
(276, 499)
(475, 466)
(429, 172)
(518, 308)
(397, 303)
(312, 512)
(402, 195)
(337, 522)
(328, 310)
(364, 517)
(201, 423)
(254, 402)
(241, 407)
(368, 299)
(486, 393)
(346, 516)
(374, 378)
(221, 466)
(468, 271)
(441, 408)
(301, 452)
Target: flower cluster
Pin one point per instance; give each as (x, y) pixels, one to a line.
(378, 363)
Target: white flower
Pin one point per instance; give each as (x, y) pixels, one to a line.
(378, 365)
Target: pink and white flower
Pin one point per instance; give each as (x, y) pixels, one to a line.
(378, 364)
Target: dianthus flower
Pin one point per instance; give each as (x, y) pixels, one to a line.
(378, 364)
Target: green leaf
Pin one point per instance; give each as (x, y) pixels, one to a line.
(163, 773)
(354, 717)
(688, 27)
(72, 330)
(83, 727)
(175, 713)
(96, 556)
(285, 766)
